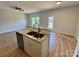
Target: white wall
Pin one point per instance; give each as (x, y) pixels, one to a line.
(11, 20)
(65, 19)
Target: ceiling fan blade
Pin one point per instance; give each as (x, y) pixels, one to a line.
(21, 10)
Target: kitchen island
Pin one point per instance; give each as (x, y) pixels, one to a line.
(35, 45)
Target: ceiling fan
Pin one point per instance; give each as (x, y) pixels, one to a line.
(13, 7)
(16, 8)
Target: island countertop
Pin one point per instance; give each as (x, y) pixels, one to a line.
(26, 30)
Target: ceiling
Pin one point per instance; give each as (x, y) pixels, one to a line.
(36, 6)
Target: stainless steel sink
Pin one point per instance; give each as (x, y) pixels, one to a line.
(32, 33)
(35, 34)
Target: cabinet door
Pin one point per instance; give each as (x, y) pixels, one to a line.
(36, 48)
(32, 47)
(27, 46)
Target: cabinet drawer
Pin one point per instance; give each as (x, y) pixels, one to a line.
(32, 47)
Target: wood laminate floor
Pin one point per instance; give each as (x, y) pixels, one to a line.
(60, 45)
(9, 47)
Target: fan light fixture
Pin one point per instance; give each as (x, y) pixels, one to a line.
(58, 2)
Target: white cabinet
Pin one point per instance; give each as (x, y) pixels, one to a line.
(34, 48)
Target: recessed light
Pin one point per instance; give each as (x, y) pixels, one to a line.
(58, 2)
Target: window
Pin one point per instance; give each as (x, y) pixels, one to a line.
(50, 22)
(35, 20)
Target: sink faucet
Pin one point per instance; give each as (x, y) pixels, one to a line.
(38, 26)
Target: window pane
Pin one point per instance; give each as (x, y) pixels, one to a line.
(35, 20)
(50, 20)
(50, 17)
(37, 17)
